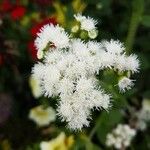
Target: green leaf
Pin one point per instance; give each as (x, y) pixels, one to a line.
(106, 122)
(146, 20)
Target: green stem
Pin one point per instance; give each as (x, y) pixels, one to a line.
(138, 8)
(94, 130)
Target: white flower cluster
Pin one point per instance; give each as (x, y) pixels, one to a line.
(143, 116)
(68, 70)
(120, 137)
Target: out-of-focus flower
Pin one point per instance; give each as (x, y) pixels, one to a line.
(6, 5)
(99, 6)
(78, 6)
(25, 21)
(125, 84)
(42, 116)
(62, 142)
(120, 137)
(18, 12)
(35, 87)
(5, 144)
(60, 12)
(143, 116)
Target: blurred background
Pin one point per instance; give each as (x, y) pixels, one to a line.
(20, 111)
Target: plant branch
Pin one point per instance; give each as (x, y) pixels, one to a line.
(137, 11)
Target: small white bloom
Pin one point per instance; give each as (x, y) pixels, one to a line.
(132, 63)
(87, 23)
(120, 137)
(52, 35)
(42, 116)
(113, 46)
(120, 63)
(38, 70)
(125, 84)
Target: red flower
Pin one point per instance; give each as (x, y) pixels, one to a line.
(18, 12)
(35, 29)
(6, 6)
(32, 50)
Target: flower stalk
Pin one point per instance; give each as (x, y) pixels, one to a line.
(137, 11)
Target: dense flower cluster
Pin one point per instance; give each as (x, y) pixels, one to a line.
(68, 67)
(120, 137)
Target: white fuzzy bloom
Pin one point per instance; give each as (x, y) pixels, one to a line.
(125, 84)
(42, 116)
(87, 23)
(113, 46)
(132, 63)
(50, 81)
(38, 70)
(51, 36)
(69, 68)
(120, 137)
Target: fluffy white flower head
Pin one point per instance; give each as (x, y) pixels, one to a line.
(87, 23)
(125, 84)
(51, 36)
(113, 46)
